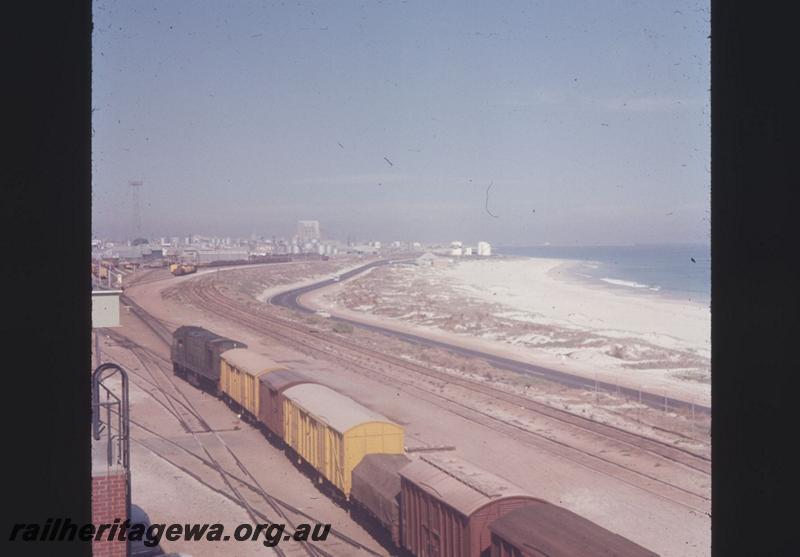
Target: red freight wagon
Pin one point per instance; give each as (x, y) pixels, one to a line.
(271, 387)
(541, 529)
(448, 504)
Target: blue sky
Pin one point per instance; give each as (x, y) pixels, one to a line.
(589, 119)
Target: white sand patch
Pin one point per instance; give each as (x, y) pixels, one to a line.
(541, 287)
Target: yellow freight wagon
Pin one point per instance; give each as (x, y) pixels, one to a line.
(332, 432)
(240, 370)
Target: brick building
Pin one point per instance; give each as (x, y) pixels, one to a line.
(109, 500)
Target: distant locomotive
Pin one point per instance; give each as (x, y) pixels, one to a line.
(180, 269)
(432, 506)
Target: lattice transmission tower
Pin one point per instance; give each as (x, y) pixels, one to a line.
(136, 186)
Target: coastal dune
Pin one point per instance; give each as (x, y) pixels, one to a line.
(540, 311)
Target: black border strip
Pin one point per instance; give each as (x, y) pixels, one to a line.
(45, 212)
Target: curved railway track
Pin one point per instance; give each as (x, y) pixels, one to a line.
(368, 362)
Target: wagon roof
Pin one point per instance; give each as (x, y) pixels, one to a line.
(284, 378)
(248, 361)
(338, 411)
(204, 335)
(197, 332)
(555, 531)
(380, 474)
(459, 484)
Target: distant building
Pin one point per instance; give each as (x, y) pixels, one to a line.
(484, 249)
(152, 254)
(207, 256)
(307, 231)
(369, 248)
(188, 254)
(455, 244)
(428, 259)
(467, 251)
(124, 252)
(456, 252)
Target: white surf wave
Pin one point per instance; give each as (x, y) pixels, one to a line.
(628, 283)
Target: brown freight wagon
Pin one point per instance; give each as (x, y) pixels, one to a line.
(542, 529)
(447, 505)
(270, 390)
(376, 490)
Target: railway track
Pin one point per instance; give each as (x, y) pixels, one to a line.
(368, 362)
(162, 392)
(218, 457)
(665, 450)
(142, 276)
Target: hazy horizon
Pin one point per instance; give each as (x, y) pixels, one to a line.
(390, 121)
(443, 242)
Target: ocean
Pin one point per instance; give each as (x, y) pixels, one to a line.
(666, 270)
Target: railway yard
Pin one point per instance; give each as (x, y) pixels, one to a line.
(631, 468)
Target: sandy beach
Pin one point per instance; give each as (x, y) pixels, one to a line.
(537, 310)
(545, 291)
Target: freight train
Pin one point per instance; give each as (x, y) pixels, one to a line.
(179, 269)
(430, 506)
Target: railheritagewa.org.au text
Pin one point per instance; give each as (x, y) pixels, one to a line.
(270, 535)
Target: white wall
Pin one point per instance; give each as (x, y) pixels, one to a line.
(105, 309)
